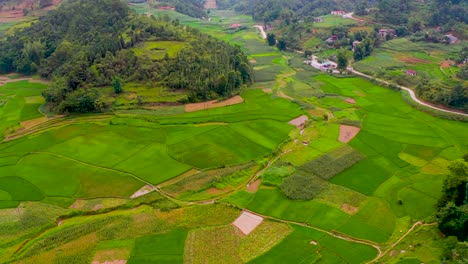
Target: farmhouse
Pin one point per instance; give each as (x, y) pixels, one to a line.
(384, 32)
(338, 12)
(331, 39)
(411, 72)
(318, 19)
(451, 39)
(355, 43)
(235, 26)
(166, 8)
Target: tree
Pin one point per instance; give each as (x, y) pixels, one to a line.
(271, 39)
(342, 60)
(358, 53)
(117, 85)
(302, 187)
(281, 44)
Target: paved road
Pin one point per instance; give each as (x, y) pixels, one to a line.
(410, 91)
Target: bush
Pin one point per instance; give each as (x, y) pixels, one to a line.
(302, 187)
(330, 164)
(275, 175)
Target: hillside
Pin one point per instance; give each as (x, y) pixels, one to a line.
(83, 45)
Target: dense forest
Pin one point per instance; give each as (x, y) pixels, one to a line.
(193, 8)
(393, 12)
(86, 44)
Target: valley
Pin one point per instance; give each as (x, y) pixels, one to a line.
(295, 166)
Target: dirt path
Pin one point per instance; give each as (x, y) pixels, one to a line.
(337, 235)
(419, 223)
(262, 31)
(411, 93)
(282, 83)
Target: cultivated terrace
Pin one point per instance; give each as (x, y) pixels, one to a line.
(189, 131)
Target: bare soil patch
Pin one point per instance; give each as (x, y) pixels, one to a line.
(447, 64)
(349, 208)
(120, 261)
(253, 186)
(268, 90)
(413, 60)
(281, 94)
(252, 61)
(350, 101)
(111, 256)
(142, 191)
(247, 222)
(213, 104)
(214, 191)
(299, 122)
(347, 133)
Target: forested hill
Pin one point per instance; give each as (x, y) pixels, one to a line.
(395, 12)
(89, 43)
(269, 10)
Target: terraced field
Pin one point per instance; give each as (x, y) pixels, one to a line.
(66, 183)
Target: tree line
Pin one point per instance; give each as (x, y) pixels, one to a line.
(452, 212)
(86, 44)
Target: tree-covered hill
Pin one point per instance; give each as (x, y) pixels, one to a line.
(86, 44)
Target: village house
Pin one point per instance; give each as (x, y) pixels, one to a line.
(338, 12)
(327, 66)
(384, 32)
(451, 39)
(355, 43)
(411, 72)
(235, 26)
(172, 8)
(318, 19)
(332, 39)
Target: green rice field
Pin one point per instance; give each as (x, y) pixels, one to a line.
(162, 185)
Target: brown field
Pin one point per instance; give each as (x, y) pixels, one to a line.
(253, 186)
(347, 133)
(268, 90)
(349, 209)
(112, 256)
(213, 104)
(247, 222)
(412, 60)
(299, 122)
(15, 13)
(447, 64)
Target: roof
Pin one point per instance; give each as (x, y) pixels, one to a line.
(411, 72)
(235, 25)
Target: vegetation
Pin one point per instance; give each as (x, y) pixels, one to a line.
(369, 193)
(453, 214)
(302, 187)
(79, 59)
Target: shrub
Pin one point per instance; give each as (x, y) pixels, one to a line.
(302, 187)
(330, 164)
